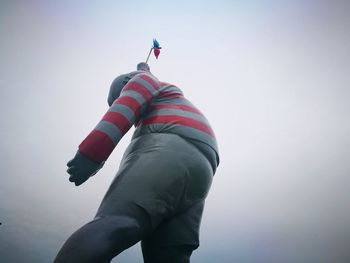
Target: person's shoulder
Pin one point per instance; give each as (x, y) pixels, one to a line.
(146, 76)
(141, 73)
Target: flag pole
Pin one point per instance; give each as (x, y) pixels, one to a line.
(149, 54)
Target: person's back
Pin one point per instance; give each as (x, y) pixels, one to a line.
(171, 112)
(158, 193)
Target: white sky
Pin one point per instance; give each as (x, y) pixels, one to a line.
(271, 76)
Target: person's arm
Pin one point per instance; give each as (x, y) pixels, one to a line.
(125, 110)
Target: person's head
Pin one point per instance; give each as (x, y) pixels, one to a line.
(143, 66)
(119, 83)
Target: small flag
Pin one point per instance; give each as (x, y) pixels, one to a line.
(156, 49)
(156, 52)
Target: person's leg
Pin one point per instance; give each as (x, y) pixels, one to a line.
(174, 239)
(177, 236)
(103, 238)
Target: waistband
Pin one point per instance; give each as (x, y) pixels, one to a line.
(153, 138)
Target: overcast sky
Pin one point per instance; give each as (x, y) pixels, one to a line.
(272, 77)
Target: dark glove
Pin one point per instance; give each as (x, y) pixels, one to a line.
(81, 168)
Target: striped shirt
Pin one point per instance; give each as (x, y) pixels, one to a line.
(153, 107)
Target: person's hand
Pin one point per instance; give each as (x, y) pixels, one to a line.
(81, 168)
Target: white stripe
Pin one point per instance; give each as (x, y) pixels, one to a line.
(145, 84)
(178, 112)
(172, 89)
(110, 130)
(123, 110)
(135, 95)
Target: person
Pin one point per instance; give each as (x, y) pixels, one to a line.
(158, 194)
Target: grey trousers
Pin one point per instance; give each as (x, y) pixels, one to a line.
(157, 197)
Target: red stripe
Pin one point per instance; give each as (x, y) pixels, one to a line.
(97, 146)
(118, 120)
(173, 119)
(150, 80)
(178, 107)
(137, 87)
(129, 102)
(170, 95)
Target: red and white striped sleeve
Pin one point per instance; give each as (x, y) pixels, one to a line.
(123, 113)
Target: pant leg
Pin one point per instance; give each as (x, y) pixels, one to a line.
(175, 238)
(104, 238)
